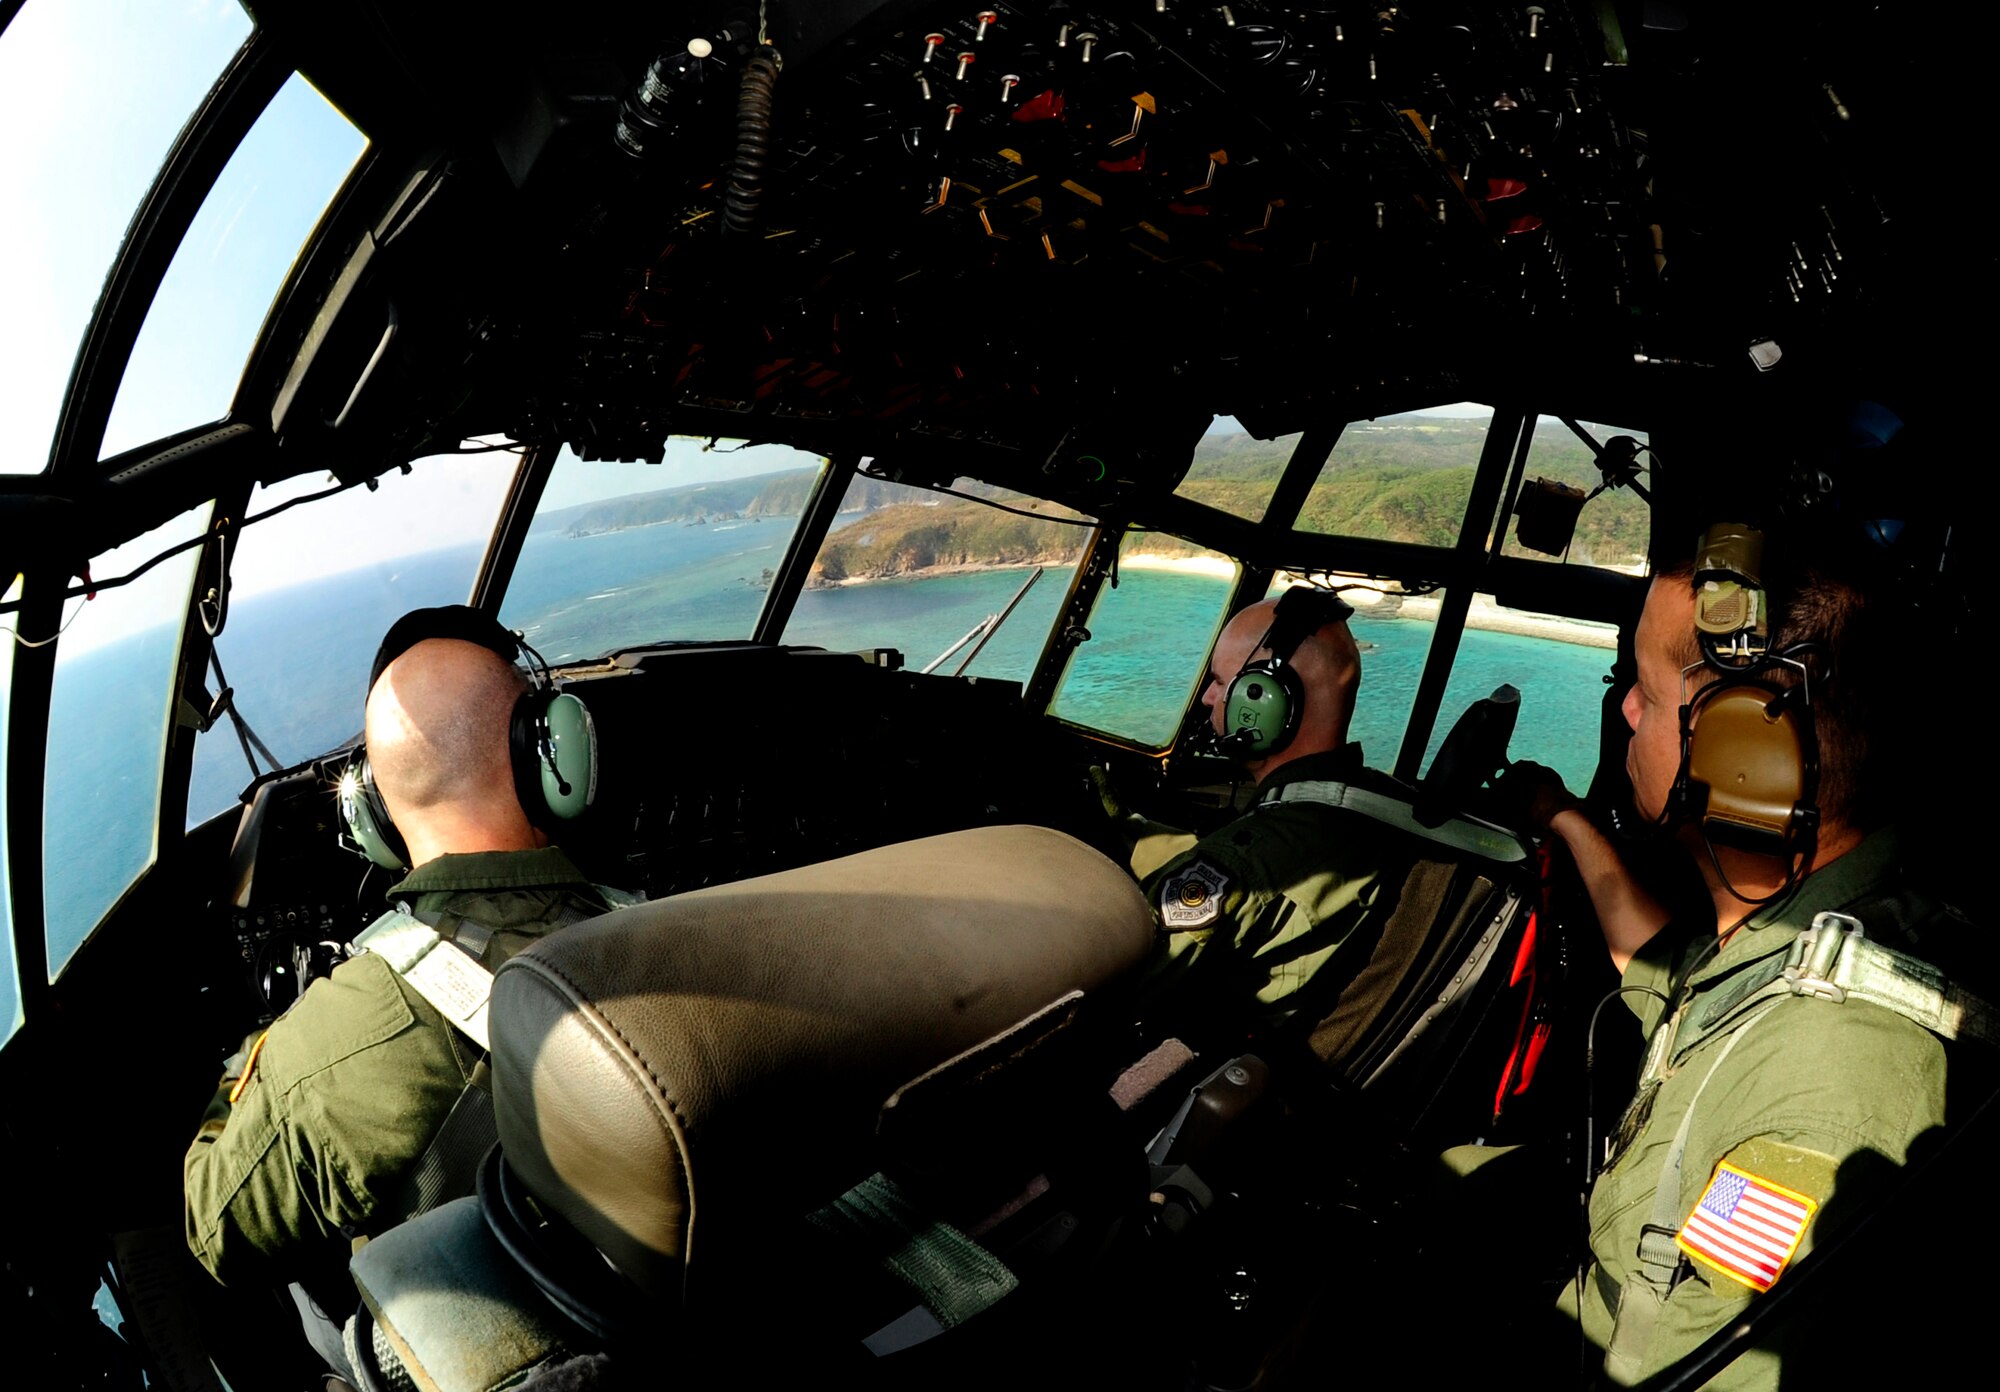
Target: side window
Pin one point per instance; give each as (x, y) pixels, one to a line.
(1610, 529)
(1400, 478)
(110, 711)
(1149, 641)
(621, 555)
(1557, 664)
(1235, 472)
(206, 313)
(92, 94)
(314, 589)
(934, 575)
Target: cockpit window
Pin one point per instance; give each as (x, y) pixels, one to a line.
(622, 555)
(92, 96)
(110, 712)
(10, 991)
(314, 590)
(1557, 665)
(1149, 641)
(1235, 472)
(934, 576)
(206, 314)
(1400, 478)
(1610, 530)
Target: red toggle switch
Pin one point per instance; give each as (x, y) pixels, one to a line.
(1043, 106)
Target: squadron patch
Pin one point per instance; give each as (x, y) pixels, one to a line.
(1746, 1227)
(1191, 897)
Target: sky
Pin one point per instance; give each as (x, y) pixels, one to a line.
(92, 96)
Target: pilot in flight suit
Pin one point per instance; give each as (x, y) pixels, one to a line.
(1793, 1068)
(1255, 909)
(313, 1140)
(1251, 912)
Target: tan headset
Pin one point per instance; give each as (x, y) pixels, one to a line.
(1749, 765)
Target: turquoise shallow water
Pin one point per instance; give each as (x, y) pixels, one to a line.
(300, 656)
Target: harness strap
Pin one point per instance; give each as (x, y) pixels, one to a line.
(1467, 834)
(449, 975)
(447, 971)
(953, 1278)
(450, 1163)
(1834, 960)
(443, 973)
(1643, 1297)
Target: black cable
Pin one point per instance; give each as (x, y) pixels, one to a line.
(1796, 870)
(244, 733)
(577, 1282)
(1589, 1063)
(1584, 1255)
(92, 587)
(545, 747)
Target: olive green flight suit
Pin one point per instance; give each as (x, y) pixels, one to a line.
(1822, 1100)
(350, 1085)
(1253, 910)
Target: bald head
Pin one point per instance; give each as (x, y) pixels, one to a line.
(1328, 665)
(437, 728)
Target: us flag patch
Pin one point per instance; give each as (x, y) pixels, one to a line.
(1745, 1227)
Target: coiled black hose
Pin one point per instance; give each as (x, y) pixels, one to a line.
(742, 204)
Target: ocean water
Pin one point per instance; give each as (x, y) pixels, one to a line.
(298, 659)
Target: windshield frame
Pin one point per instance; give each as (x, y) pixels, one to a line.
(203, 149)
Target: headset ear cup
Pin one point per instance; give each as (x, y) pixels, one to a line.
(1265, 700)
(1748, 768)
(572, 745)
(367, 817)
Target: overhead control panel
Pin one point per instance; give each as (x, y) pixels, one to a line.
(956, 228)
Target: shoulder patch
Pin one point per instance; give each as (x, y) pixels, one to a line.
(1191, 897)
(1746, 1226)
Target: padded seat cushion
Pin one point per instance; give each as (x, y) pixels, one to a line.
(722, 1055)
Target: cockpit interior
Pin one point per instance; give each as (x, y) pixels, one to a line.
(873, 410)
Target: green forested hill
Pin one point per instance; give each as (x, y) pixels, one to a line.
(909, 537)
(781, 494)
(1408, 480)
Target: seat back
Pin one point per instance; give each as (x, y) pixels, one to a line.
(682, 1077)
(1427, 1014)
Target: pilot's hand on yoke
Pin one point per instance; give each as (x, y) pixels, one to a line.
(1535, 794)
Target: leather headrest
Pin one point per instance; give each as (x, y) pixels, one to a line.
(724, 1053)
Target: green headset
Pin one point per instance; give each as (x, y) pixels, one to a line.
(551, 740)
(1265, 701)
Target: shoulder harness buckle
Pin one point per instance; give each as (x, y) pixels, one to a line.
(1810, 967)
